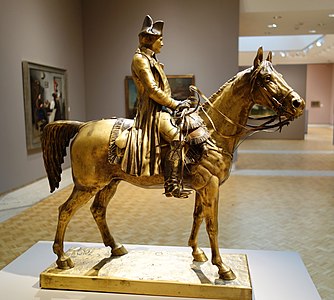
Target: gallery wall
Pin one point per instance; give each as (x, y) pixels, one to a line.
(320, 93)
(94, 41)
(43, 32)
(200, 38)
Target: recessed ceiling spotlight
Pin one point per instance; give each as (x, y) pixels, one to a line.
(319, 43)
(272, 25)
(331, 15)
(312, 31)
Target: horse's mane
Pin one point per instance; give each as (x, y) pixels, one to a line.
(249, 71)
(231, 81)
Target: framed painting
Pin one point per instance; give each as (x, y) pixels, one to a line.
(179, 85)
(261, 111)
(45, 99)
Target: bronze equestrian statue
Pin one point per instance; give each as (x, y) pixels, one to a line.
(97, 166)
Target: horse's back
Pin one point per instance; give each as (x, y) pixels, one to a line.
(89, 154)
(95, 131)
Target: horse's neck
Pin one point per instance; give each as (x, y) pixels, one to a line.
(232, 100)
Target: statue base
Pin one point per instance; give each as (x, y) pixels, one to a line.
(165, 272)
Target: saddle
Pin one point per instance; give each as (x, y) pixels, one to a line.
(194, 134)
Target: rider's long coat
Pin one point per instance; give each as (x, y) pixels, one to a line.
(142, 153)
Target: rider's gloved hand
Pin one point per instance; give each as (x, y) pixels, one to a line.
(184, 104)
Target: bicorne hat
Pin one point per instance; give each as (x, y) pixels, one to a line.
(152, 28)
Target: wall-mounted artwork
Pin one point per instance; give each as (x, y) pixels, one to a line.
(45, 99)
(261, 111)
(179, 85)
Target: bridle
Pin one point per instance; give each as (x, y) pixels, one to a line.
(276, 104)
(249, 129)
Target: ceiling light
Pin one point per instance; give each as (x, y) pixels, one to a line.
(272, 25)
(312, 31)
(331, 15)
(319, 43)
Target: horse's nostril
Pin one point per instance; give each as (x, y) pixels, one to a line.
(296, 103)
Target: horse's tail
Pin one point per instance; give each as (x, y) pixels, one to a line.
(55, 138)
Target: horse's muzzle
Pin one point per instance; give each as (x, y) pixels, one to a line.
(297, 104)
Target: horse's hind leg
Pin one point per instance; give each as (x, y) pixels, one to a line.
(76, 200)
(98, 209)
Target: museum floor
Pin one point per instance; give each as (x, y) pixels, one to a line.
(280, 196)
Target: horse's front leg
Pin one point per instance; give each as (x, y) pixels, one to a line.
(210, 197)
(76, 200)
(198, 215)
(99, 210)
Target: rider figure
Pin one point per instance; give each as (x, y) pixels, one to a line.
(153, 119)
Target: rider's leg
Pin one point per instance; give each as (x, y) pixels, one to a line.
(173, 161)
(167, 129)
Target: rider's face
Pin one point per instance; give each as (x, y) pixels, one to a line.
(157, 45)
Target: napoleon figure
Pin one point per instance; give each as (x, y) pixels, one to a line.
(153, 120)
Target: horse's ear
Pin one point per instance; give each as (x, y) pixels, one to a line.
(259, 57)
(270, 57)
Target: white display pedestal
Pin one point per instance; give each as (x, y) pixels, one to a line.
(275, 275)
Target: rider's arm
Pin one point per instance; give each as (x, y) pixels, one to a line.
(141, 67)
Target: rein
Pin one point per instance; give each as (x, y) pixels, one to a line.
(249, 128)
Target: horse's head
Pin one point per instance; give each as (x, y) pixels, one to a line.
(269, 89)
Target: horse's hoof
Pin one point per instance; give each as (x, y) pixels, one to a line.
(119, 251)
(199, 256)
(227, 275)
(65, 263)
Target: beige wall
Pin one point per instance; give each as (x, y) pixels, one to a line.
(332, 98)
(95, 40)
(45, 32)
(98, 38)
(320, 84)
(200, 37)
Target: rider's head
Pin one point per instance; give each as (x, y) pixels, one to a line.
(151, 34)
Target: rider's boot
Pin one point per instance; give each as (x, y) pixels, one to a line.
(173, 164)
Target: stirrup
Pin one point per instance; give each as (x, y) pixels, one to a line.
(173, 189)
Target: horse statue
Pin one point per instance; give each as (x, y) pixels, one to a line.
(225, 114)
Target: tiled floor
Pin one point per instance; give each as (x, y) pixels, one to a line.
(280, 196)
(17, 201)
